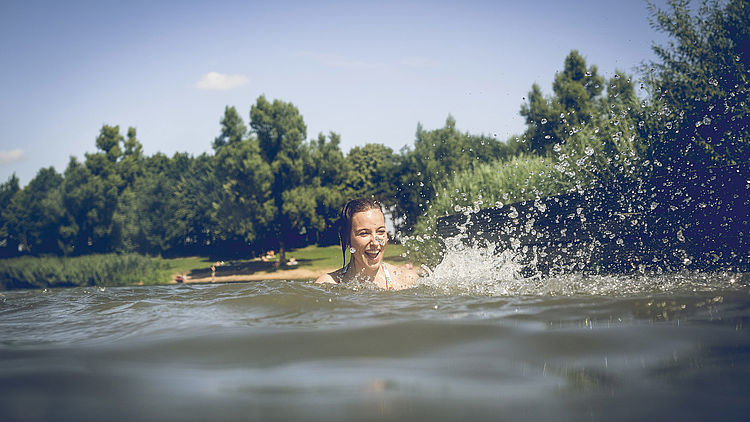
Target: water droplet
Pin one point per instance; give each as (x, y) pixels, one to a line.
(513, 213)
(589, 151)
(544, 121)
(557, 147)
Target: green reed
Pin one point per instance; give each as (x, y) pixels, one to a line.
(524, 177)
(89, 270)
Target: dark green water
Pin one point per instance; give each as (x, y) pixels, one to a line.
(673, 347)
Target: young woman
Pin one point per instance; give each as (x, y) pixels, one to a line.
(362, 231)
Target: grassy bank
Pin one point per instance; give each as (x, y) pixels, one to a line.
(132, 269)
(314, 259)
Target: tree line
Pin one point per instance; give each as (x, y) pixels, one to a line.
(267, 186)
(264, 187)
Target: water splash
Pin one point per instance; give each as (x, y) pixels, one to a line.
(660, 235)
(484, 270)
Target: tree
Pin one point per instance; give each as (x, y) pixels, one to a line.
(242, 209)
(699, 85)
(131, 161)
(196, 193)
(552, 120)
(89, 200)
(233, 129)
(373, 169)
(34, 212)
(280, 130)
(313, 206)
(437, 155)
(8, 245)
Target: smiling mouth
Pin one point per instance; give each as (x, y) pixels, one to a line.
(372, 254)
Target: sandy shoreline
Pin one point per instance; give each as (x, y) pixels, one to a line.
(290, 274)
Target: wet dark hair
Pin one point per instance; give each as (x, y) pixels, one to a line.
(345, 219)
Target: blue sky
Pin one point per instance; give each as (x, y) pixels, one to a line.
(369, 71)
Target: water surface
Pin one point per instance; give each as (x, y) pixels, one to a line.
(670, 346)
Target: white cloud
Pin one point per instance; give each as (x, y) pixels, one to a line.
(220, 82)
(11, 156)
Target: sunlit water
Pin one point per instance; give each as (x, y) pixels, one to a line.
(458, 347)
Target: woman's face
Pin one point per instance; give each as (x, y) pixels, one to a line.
(368, 238)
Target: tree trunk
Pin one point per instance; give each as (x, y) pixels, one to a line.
(282, 253)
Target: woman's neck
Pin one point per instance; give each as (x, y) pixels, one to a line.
(364, 273)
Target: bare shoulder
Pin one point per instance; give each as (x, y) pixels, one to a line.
(330, 278)
(325, 278)
(403, 277)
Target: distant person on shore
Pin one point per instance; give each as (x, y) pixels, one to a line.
(268, 257)
(362, 232)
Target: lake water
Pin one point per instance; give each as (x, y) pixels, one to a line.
(645, 347)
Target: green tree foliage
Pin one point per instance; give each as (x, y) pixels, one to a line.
(233, 129)
(34, 212)
(437, 155)
(700, 85)
(89, 200)
(373, 170)
(91, 192)
(281, 132)
(610, 146)
(152, 215)
(7, 190)
(575, 91)
(130, 165)
(324, 189)
(197, 193)
(8, 245)
(594, 130)
(241, 209)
